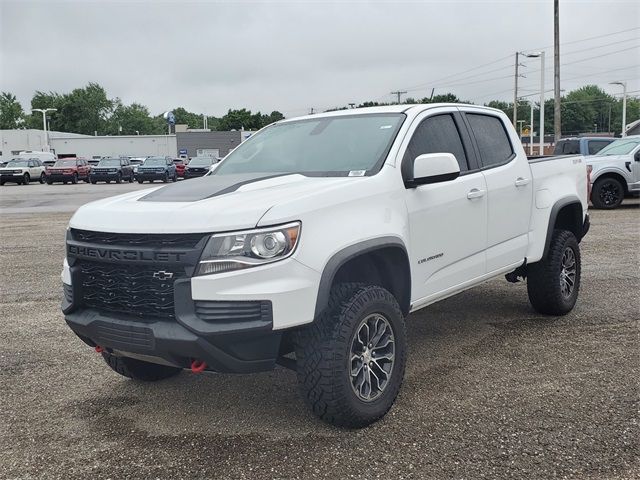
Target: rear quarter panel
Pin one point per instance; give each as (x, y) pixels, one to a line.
(555, 179)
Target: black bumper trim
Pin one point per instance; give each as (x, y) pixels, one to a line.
(227, 346)
(585, 226)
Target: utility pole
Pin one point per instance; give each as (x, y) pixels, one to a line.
(515, 94)
(557, 127)
(398, 93)
(624, 106)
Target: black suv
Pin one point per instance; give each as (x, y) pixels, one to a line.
(108, 169)
(198, 166)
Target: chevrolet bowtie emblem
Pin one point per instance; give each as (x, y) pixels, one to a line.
(162, 275)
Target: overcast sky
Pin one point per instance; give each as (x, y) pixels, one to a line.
(211, 56)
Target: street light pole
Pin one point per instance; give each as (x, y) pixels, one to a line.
(541, 55)
(44, 124)
(515, 94)
(624, 106)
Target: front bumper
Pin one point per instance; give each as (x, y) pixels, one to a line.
(215, 318)
(59, 177)
(103, 177)
(189, 174)
(12, 177)
(150, 176)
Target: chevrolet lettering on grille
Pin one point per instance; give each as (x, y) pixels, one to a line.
(124, 255)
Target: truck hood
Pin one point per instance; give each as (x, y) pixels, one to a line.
(208, 204)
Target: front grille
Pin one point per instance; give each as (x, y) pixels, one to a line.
(241, 311)
(139, 290)
(151, 240)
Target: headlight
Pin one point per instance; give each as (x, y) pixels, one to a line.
(226, 252)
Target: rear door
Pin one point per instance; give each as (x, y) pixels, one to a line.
(509, 186)
(448, 219)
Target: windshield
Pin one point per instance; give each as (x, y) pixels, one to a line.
(623, 146)
(328, 146)
(201, 162)
(109, 162)
(150, 162)
(65, 163)
(17, 162)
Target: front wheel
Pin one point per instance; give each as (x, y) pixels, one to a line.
(74, 179)
(26, 179)
(119, 178)
(139, 370)
(553, 282)
(607, 193)
(351, 360)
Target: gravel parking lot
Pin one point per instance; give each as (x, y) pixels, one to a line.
(492, 390)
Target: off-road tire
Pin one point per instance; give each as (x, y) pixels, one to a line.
(139, 370)
(544, 277)
(607, 193)
(323, 352)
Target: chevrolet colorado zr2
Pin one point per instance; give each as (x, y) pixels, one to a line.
(312, 242)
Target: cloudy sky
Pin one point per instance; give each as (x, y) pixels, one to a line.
(209, 56)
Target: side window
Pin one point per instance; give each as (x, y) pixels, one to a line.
(595, 146)
(437, 134)
(492, 139)
(571, 147)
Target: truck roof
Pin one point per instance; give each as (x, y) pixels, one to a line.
(419, 107)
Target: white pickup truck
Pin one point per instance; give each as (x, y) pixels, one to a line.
(311, 243)
(615, 172)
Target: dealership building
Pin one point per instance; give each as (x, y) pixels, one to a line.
(185, 142)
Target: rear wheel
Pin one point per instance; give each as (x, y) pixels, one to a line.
(351, 360)
(553, 282)
(42, 177)
(607, 193)
(26, 179)
(139, 370)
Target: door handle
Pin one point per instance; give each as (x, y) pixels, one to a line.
(521, 182)
(475, 193)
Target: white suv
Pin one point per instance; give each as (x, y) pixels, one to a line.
(22, 171)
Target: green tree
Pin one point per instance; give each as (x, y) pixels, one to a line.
(132, 119)
(11, 114)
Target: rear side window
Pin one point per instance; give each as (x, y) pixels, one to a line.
(492, 139)
(437, 134)
(596, 145)
(567, 147)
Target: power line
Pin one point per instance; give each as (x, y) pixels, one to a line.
(590, 38)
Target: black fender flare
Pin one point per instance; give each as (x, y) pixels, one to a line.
(553, 216)
(346, 254)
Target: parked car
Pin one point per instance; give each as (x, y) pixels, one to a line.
(135, 162)
(581, 145)
(93, 162)
(180, 166)
(157, 168)
(198, 166)
(615, 172)
(68, 170)
(42, 156)
(326, 232)
(112, 169)
(49, 163)
(22, 171)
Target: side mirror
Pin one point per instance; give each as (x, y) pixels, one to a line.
(434, 168)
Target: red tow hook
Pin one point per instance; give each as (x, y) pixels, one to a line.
(99, 349)
(198, 366)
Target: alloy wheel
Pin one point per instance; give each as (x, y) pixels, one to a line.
(568, 272)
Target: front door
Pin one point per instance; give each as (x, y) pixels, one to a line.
(447, 220)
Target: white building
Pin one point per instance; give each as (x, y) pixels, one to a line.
(15, 141)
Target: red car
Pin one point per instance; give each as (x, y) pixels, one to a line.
(69, 169)
(180, 166)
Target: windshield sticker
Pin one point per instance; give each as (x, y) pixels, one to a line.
(357, 173)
